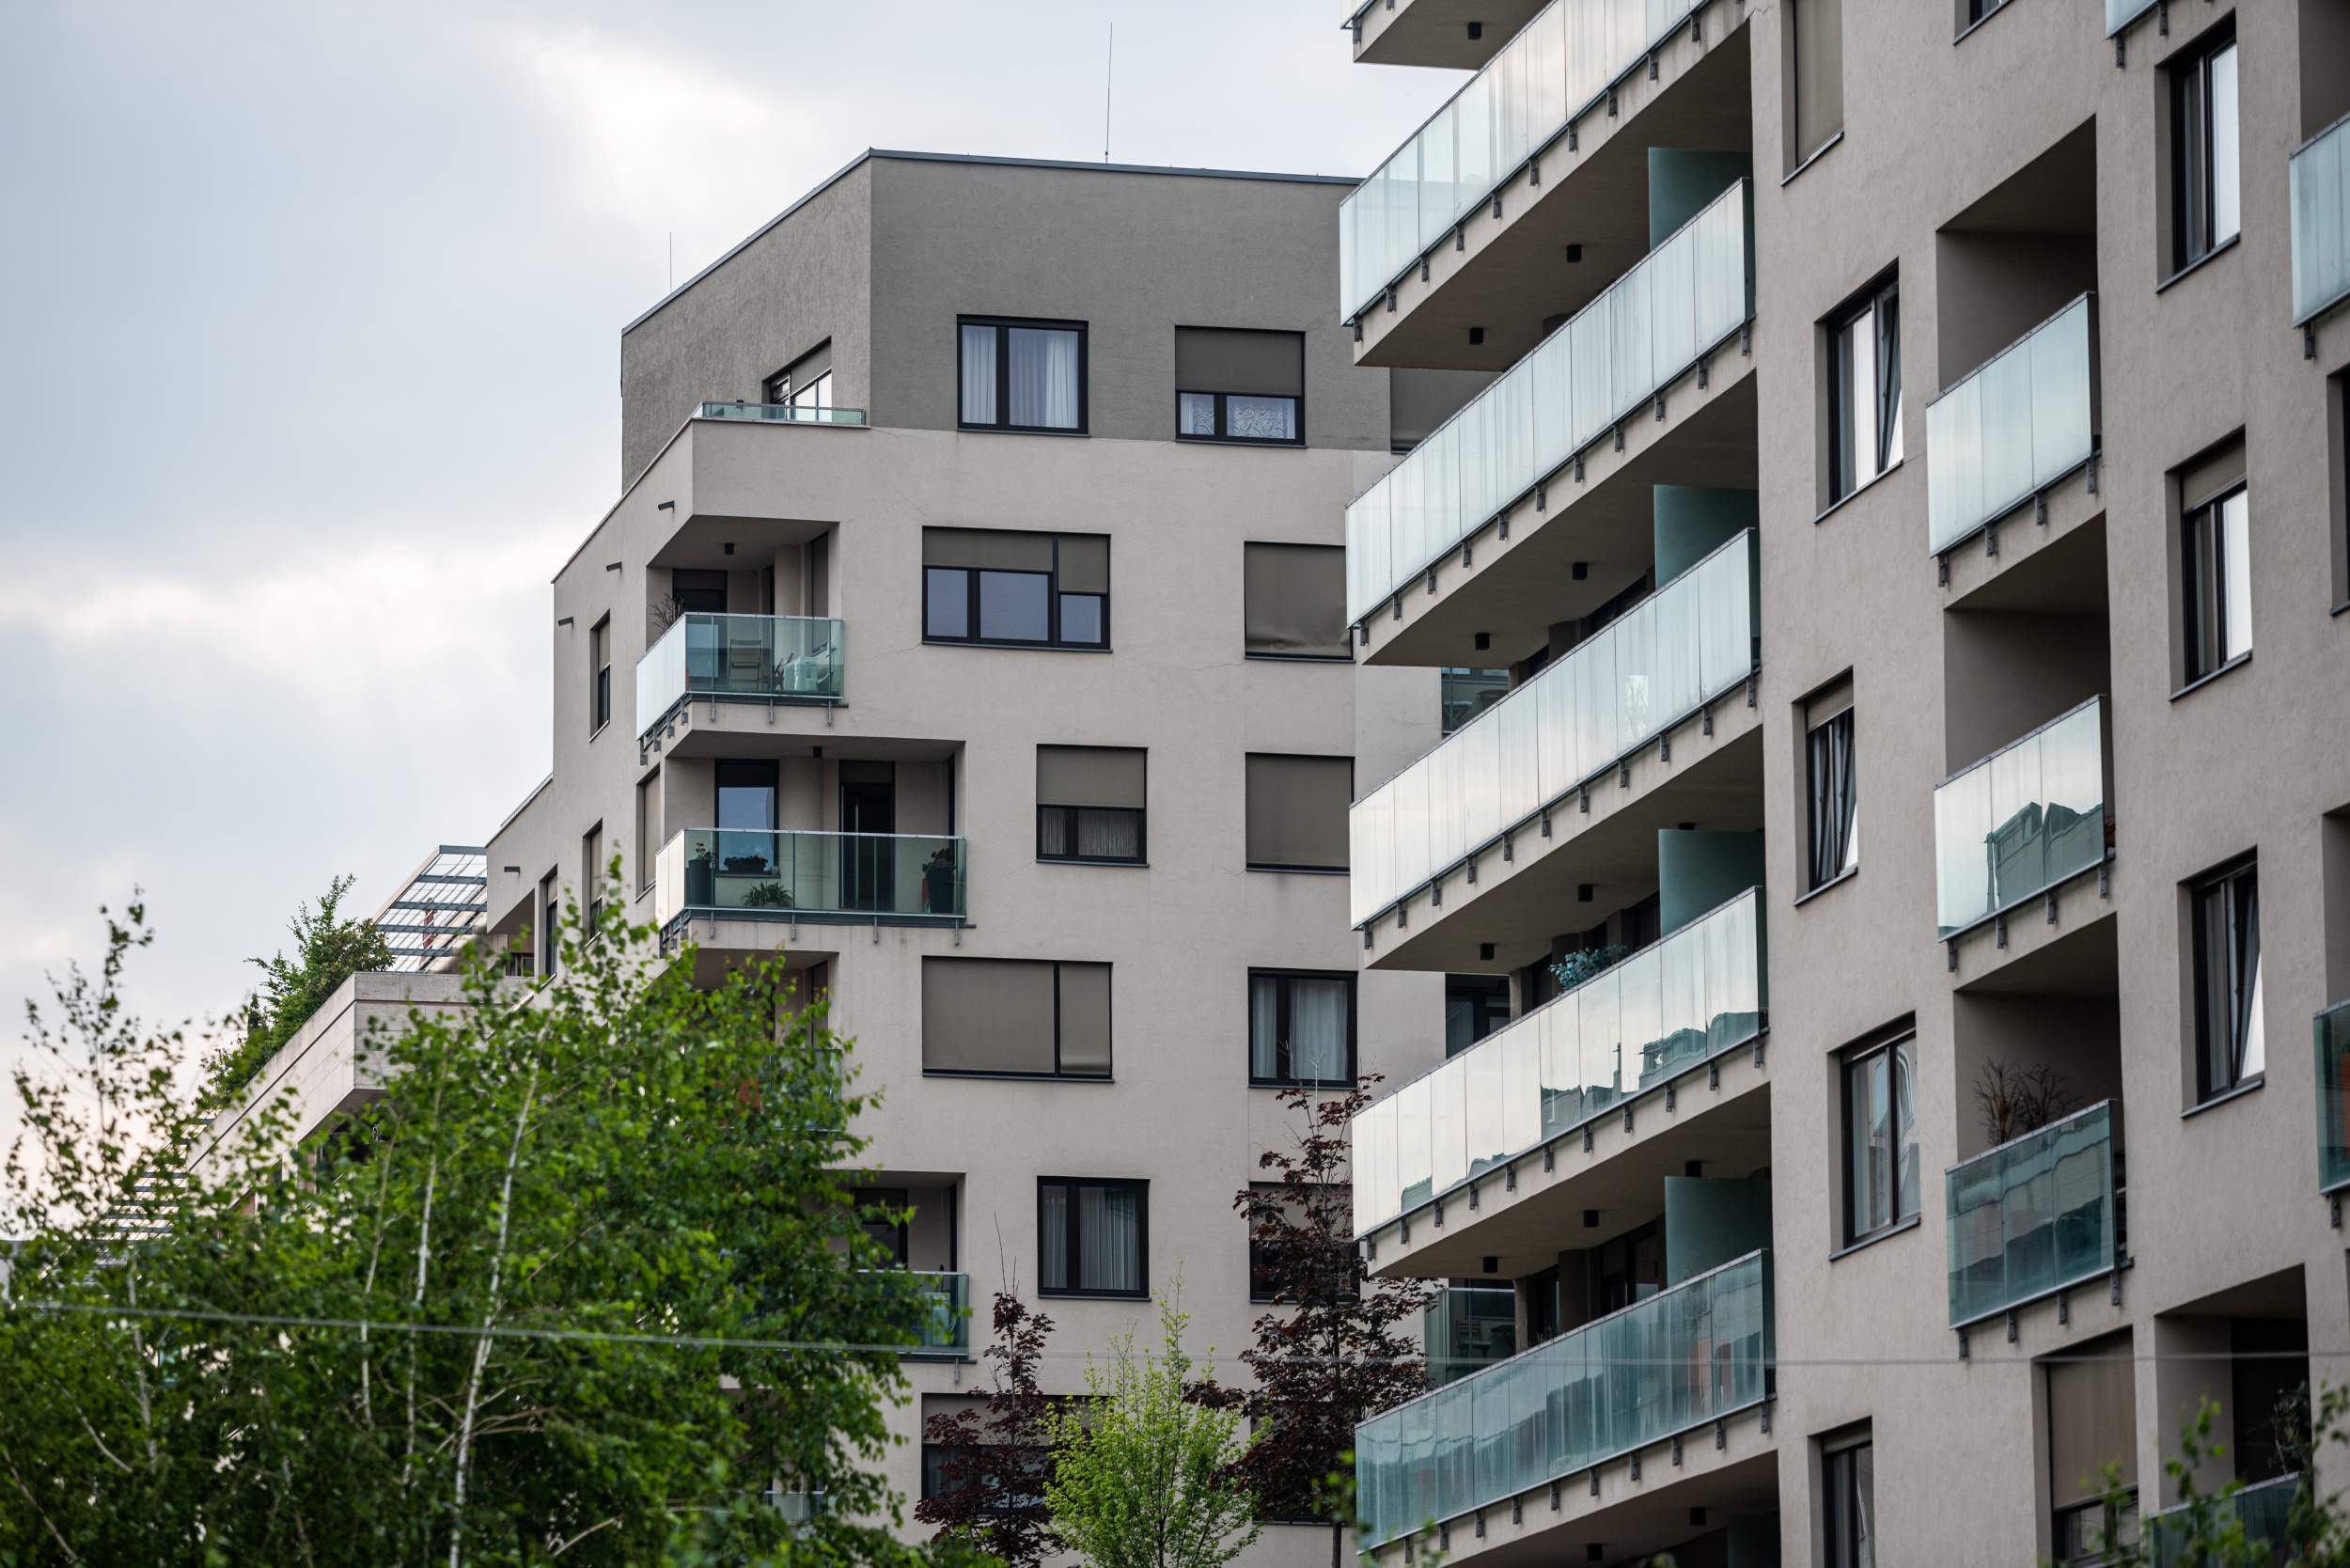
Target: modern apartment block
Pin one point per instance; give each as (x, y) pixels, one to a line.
(1925, 416)
(970, 633)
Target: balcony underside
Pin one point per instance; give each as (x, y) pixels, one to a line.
(1630, 1520)
(753, 728)
(1713, 781)
(1727, 1127)
(1435, 32)
(2074, 955)
(2044, 568)
(1516, 589)
(1513, 274)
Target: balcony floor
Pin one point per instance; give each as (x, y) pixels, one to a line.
(1714, 781)
(1728, 1128)
(1516, 589)
(1513, 272)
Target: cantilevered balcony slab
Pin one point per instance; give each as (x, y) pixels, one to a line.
(1517, 578)
(1588, 186)
(1437, 32)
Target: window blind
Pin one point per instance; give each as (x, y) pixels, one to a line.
(1294, 598)
(1261, 364)
(987, 549)
(1297, 810)
(2093, 1421)
(1090, 775)
(987, 1015)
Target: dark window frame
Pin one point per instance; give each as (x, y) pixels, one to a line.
(2232, 891)
(1141, 814)
(1881, 303)
(1839, 1499)
(1223, 436)
(1003, 325)
(1902, 1052)
(1819, 748)
(1053, 597)
(2194, 207)
(598, 675)
(1073, 1264)
(1059, 1074)
(2205, 587)
(1282, 1017)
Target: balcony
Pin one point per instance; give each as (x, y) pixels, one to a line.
(783, 414)
(1558, 68)
(2333, 1098)
(1492, 781)
(1671, 1006)
(1435, 32)
(1614, 358)
(1470, 1327)
(2022, 821)
(739, 658)
(946, 1327)
(2012, 429)
(1681, 1359)
(2321, 223)
(2121, 13)
(2265, 1509)
(2038, 1215)
(823, 878)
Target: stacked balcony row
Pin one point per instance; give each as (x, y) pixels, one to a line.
(1680, 302)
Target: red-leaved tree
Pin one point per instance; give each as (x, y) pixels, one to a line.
(995, 1462)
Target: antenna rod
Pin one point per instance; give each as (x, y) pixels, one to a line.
(1109, 67)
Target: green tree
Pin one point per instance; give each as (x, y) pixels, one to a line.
(2208, 1529)
(1139, 1478)
(583, 1285)
(328, 951)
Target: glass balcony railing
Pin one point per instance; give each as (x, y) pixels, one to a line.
(2014, 427)
(2121, 13)
(783, 414)
(1616, 690)
(2333, 1098)
(1651, 325)
(2035, 1215)
(1665, 1010)
(945, 1330)
(2321, 222)
(1682, 1358)
(2263, 1507)
(2021, 821)
(1558, 66)
(1470, 1327)
(739, 874)
(739, 658)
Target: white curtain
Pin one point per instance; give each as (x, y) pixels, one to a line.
(1318, 1030)
(1110, 1239)
(1043, 378)
(979, 375)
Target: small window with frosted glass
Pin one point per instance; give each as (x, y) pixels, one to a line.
(1245, 386)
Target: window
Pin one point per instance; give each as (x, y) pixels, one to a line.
(1881, 1183)
(1474, 1007)
(1240, 386)
(1022, 375)
(1297, 812)
(1464, 692)
(599, 675)
(1091, 1236)
(1848, 1505)
(1835, 820)
(1301, 1027)
(1003, 1017)
(1089, 803)
(807, 383)
(2214, 561)
(746, 795)
(1864, 378)
(2231, 1042)
(2093, 1422)
(1294, 600)
(1814, 63)
(999, 586)
(2206, 195)
(888, 1234)
(550, 923)
(648, 828)
(698, 592)
(591, 873)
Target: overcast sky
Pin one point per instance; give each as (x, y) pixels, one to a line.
(309, 353)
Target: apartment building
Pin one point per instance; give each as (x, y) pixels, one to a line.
(1930, 416)
(969, 634)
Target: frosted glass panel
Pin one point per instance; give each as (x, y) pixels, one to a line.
(2321, 223)
(2022, 819)
(2011, 428)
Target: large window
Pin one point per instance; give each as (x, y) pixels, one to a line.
(1003, 586)
(2214, 566)
(1881, 1179)
(1297, 812)
(697, 593)
(1002, 1017)
(1022, 375)
(1833, 825)
(746, 795)
(2093, 1423)
(2231, 1043)
(1474, 1007)
(1848, 1504)
(1294, 598)
(2206, 191)
(1301, 1027)
(1248, 386)
(807, 382)
(1864, 370)
(1092, 1236)
(1089, 803)
(599, 675)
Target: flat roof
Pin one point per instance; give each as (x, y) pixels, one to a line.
(973, 158)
